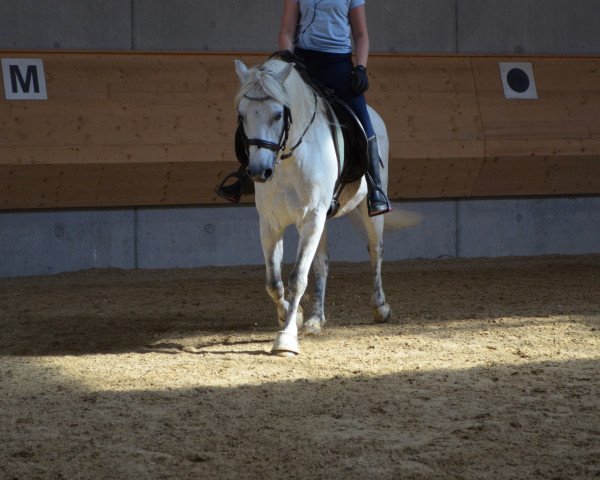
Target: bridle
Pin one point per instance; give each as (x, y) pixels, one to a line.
(280, 146)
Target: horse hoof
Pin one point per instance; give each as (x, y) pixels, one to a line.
(313, 326)
(284, 354)
(285, 345)
(383, 313)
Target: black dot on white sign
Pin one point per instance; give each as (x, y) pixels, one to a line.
(518, 80)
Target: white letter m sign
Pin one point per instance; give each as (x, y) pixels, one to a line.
(24, 79)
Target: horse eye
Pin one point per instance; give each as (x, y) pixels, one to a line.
(278, 116)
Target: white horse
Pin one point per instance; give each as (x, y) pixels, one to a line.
(293, 162)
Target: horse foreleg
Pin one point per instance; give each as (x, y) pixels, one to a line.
(286, 342)
(272, 244)
(321, 268)
(374, 228)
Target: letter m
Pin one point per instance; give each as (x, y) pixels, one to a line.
(16, 76)
(24, 79)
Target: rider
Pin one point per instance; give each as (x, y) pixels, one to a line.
(321, 32)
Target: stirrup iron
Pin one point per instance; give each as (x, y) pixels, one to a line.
(231, 196)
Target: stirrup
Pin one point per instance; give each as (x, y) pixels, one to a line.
(374, 189)
(231, 193)
(380, 211)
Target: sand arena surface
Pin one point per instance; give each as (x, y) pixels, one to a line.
(489, 369)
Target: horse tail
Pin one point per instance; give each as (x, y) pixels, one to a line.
(398, 218)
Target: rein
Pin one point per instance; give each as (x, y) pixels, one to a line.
(280, 146)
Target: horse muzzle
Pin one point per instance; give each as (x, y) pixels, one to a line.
(262, 159)
(260, 175)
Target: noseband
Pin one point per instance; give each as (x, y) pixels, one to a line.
(283, 136)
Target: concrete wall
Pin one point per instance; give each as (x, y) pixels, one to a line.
(53, 241)
(42, 242)
(450, 26)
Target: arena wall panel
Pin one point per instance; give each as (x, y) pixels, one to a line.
(126, 129)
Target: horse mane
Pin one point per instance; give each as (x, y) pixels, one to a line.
(294, 93)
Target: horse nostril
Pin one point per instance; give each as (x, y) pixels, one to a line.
(268, 174)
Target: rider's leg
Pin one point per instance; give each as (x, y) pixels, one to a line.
(377, 199)
(243, 184)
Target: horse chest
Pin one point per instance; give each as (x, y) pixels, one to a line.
(288, 204)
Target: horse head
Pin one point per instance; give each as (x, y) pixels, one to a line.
(264, 115)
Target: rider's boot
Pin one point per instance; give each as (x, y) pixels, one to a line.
(377, 200)
(242, 186)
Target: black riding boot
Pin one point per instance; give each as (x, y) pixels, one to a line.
(242, 186)
(377, 200)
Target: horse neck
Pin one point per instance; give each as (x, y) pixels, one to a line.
(302, 108)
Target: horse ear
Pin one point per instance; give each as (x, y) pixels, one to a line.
(283, 73)
(241, 70)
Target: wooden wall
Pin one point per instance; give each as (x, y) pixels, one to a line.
(455, 135)
(124, 129)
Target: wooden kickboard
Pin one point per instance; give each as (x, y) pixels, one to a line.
(122, 129)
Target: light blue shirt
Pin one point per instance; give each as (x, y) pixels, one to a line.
(324, 25)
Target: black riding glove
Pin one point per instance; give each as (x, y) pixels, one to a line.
(360, 81)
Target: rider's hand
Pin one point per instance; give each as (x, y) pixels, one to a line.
(360, 81)
(286, 56)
